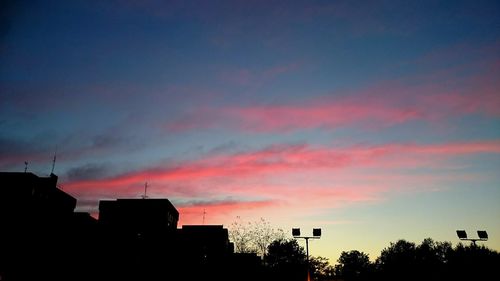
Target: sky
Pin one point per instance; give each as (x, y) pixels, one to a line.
(373, 120)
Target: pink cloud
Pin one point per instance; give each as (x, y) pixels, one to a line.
(320, 113)
(387, 109)
(439, 96)
(299, 177)
(457, 148)
(286, 158)
(325, 115)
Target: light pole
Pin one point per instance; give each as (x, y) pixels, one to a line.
(483, 236)
(316, 235)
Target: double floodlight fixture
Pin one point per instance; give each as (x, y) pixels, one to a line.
(316, 233)
(482, 234)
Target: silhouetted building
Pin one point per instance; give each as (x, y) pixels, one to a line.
(136, 234)
(205, 242)
(84, 220)
(42, 238)
(30, 194)
(40, 233)
(138, 214)
(204, 252)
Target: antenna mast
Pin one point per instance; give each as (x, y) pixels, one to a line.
(25, 166)
(54, 161)
(145, 191)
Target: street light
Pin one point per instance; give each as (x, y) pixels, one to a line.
(316, 235)
(483, 236)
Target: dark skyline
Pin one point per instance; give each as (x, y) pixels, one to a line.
(358, 117)
(133, 239)
(138, 239)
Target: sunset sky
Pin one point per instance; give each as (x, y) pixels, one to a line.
(373, 120)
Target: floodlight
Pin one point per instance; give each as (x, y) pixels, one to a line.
(482, 234)
(316, 235)
(462, 234)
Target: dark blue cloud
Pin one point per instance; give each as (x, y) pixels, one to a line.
(89, 171)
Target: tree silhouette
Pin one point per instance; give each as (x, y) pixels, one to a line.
(397, 262)
(253, 237)
(320, 269)
(262, 235)
(240, 235)
(286, 260)
(432, 259)
(353, 265)
(437, 261)
(474, 263)
(285, 251)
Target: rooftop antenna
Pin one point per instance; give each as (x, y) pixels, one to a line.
(204, 213)
(145, 191)
(54, 162)
(25, 166)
